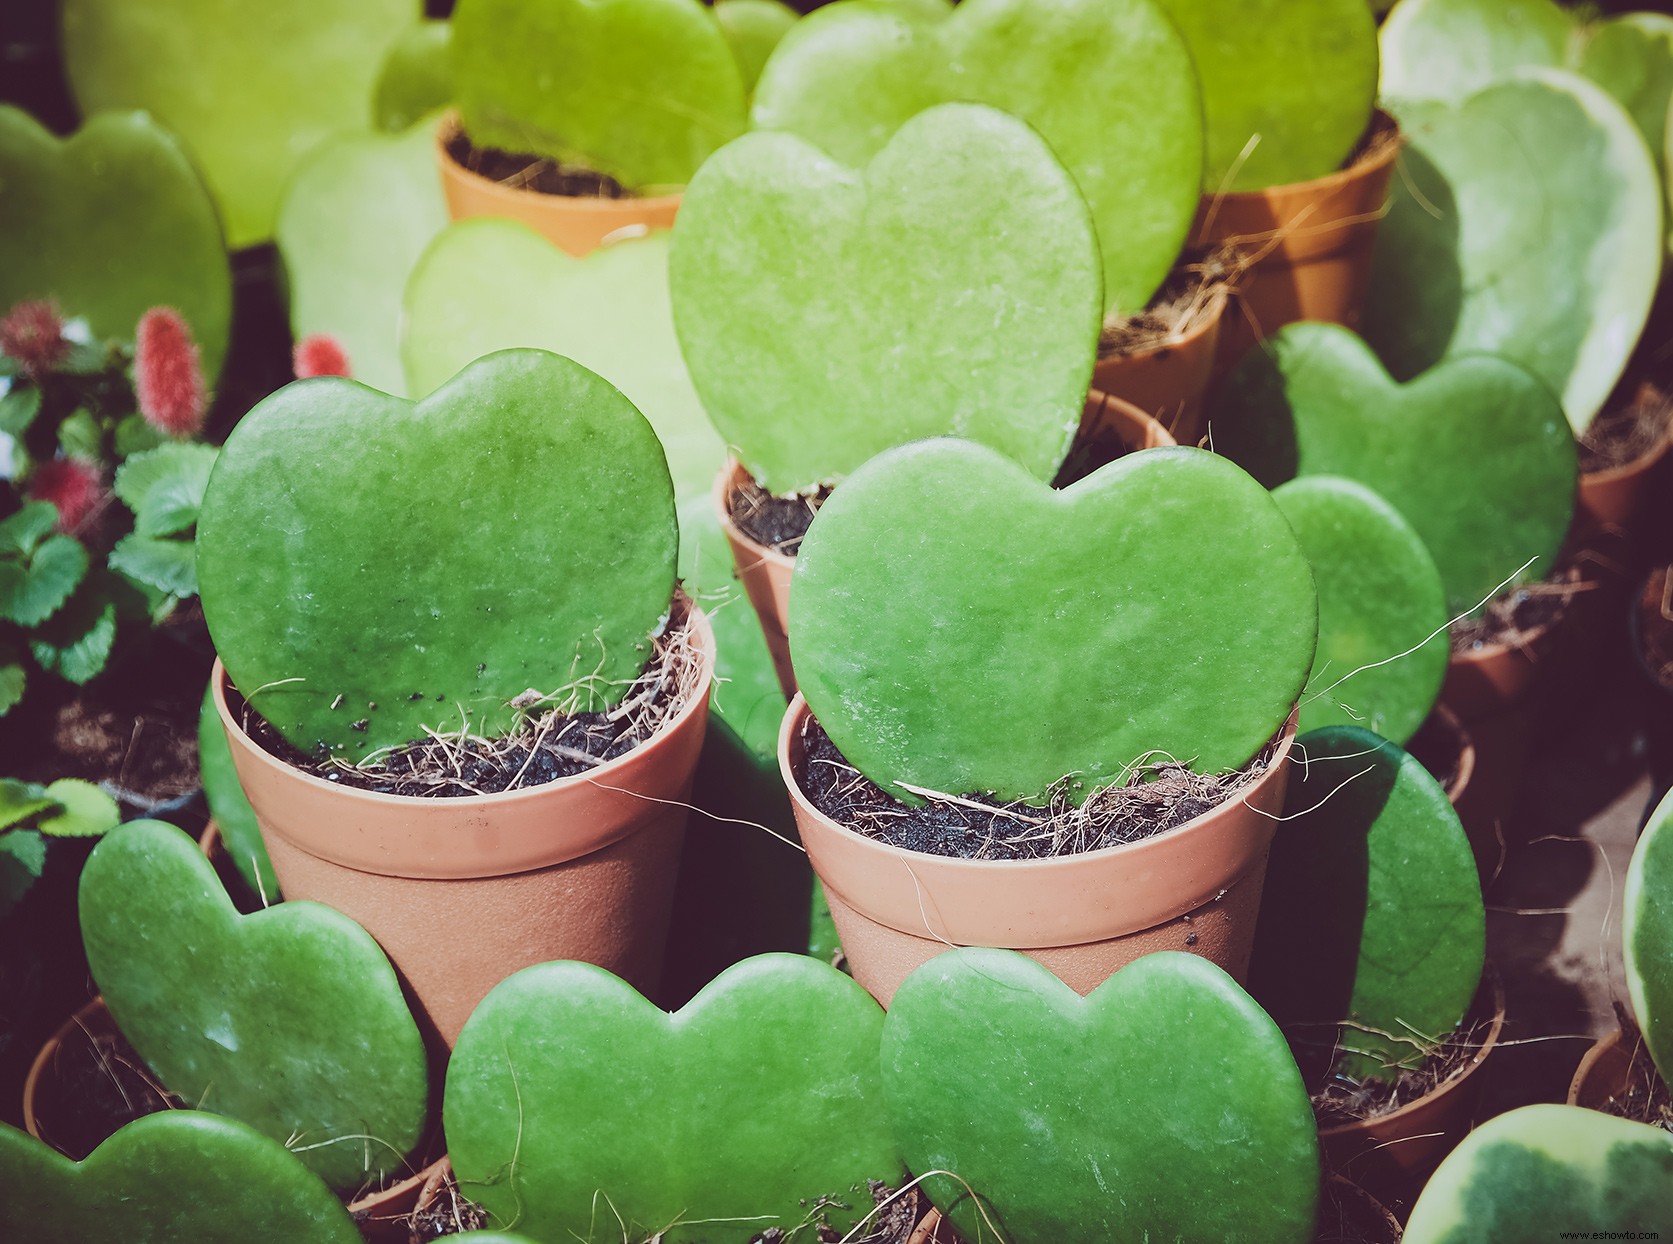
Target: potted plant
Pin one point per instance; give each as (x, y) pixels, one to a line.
(532, 570)
(581, 119)
(1018, 729)
(1111, 87)
(1369, 955)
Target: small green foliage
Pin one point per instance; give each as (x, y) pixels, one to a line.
(75, 643)
(80, 810)
(30, 813)
(1023, 634)
(373, 567)
(641, 90)
(1371, 917)
(290, 1020)
(962, 233)
(18, 407)
(416, 78)
(1474, 453)
(165, 1178)
(38, 571)
(1099, 1118)
(1647, 929)
(1520, 1176)
(750, 1106)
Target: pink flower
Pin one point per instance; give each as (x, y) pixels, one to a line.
(75, 487)
(168, 380)
(320, 355)
(33, 334)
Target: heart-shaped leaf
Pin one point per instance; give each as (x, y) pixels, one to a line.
(110, 223)
(165, 1178)
(1517, 1177)
(1287, 88)
(416, 77)
(1647, 931)
(371, 567)
(1108, 83)
(1021, 634)
(1371, 916)
(249, 89)
(642, 90)
(951, 287)
(749, 1105)
(231, 810)
(1526, 222)
(1382, 650)
(1474, 453)
(352, 224)
(753, 28)
(1103, 1118)
(290, 1019)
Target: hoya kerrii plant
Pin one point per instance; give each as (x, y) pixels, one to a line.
(102, 480)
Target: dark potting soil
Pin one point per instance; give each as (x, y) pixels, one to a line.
(532, 172)
(1153, 800)
(1174, 310)
(1653, 631)
(1623, 434)
(549, 747)
(1516, 615)
(446, 1212)
(1646, 1097)
(779, 523)
(1438, 746)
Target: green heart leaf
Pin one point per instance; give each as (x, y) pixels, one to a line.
(1519, 1176)
(557, 1056)
(1647, 932)
(648, 88)
(1101, 1118)
(356, 549)
(112, 222)
(81, 810)
(1123, 111)
(1287, 88)
(416, 77)
(753, 28)
(249, 90)
(1474, 453)
(170, 566)
(1382, 651)
(76, 641)
(22, 858)
(290, 1020)
(1023, 633)
(31, 593)
(165, 1178)
(164, 487)
(231, 810)
(354, 220)
(1562, 284)
(1371, 916)
(963, 232)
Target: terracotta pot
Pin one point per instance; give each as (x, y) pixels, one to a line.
(1608, 500)
(575, 224)
(1110, 428)
(1168, 380)
(1196, 887)
(765, 573)
(1496, 678)
(461, 893)
(1392, 1154)
(46, 1100)
(1615, 1070)
(1309, 242)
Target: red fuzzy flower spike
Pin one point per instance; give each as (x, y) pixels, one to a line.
(33, 334)
(168, 381)
(320, 355)
(75, 487)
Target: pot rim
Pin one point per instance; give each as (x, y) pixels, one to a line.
(451, 124)
(1219, 297)
(732, 471)
(702, 632)
(1642, 464)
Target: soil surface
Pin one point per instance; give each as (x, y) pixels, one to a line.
(1516, 616)
(1623, 434)
(1183, 302)
(1153, 800)
(779, 523)
(531, 172)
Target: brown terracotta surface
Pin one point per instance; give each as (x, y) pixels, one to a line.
(1310, 243)
(1169, 380)
(1609, 500)
(1196, 887)
(461, 893)
(576, 225)
(1495, 678)
(765, 573)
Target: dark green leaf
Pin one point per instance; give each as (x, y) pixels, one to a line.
(21, 800)
(84, 360)
(168, 565)
(134, 436)
(29, 596)
(19, 408)
(76, 643)
(20, 533)
(79, 436)
(83, 810)
(12, 681)
(164, 486)
(22, 856)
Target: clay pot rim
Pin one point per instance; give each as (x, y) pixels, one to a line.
(1454, 725)
(1599, 1050)
(451, 125)
(1202, 321)
(798, 709)
(1440, 1092)
(1530, 641)
(1136, 416)
(94, 1008)
(732, 472)
(1378, 147)
(1640, 465)
(704, 643)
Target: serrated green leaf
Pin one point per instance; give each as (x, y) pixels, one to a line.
(164, 486)
(79, 436)
(19, 408)
(21, 800)
(22, 857)
(76, 643)
(20, 533)
(13, 679)
(168, 565)
(30, 595)
(134, 436)
(84, 811)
